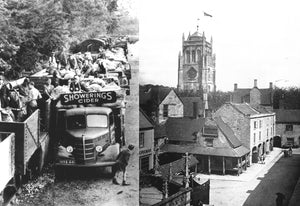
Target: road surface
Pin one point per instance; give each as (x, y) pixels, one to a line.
(261, 190)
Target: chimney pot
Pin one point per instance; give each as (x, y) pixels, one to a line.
(255, 82)
(235, 86)
(271, 85)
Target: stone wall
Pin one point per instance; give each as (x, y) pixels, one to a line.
(280, 131)
(239, 123)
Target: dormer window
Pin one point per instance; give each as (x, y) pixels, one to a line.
(209, 142)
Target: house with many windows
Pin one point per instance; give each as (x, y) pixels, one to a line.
(146, 142)
(287, 128)
(254, 96)
(254, 126)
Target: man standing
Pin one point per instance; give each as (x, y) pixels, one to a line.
(34, 96)
(121, 164)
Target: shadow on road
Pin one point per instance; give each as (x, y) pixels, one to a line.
(282, 178)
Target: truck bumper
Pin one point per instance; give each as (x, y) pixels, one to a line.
(97, 164)
(105, 159)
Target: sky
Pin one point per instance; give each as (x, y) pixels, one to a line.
(252, 39)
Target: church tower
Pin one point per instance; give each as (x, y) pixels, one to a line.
(196, 64)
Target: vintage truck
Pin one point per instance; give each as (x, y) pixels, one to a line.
(89, 130)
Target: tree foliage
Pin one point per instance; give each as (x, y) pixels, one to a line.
(32, 29)
(287, 98)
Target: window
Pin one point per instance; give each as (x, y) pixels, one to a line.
(165, 110)
(259, 123)
(259, 137)
(199, 55)
(267, 133)
(271, 131)
(255, 125)
(254, 137)
(188, 58)
(193, 56)
(289, 127)
(142, 140)
(76, 122)
(192, 73)
(290, 140)
(96, 120)
(209, 142)
(144, 163)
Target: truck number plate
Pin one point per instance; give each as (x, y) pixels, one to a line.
(67, 161)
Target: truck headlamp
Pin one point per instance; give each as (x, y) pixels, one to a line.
(69, 149)
(99, 148)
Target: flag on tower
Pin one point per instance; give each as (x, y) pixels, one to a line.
(206, 14)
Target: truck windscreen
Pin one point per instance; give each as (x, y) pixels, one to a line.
(76, 122)
(96, 120)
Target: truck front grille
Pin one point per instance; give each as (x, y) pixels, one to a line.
(84, 151)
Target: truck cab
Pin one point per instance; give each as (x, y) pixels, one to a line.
(89, 137)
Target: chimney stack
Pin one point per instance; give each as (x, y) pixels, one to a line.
(235, 86)
(271, 85)
(255, 82)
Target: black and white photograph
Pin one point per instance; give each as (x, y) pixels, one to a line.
(69, 102)
(219, 103)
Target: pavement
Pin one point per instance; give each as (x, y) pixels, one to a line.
(251, 171)
(260, 183)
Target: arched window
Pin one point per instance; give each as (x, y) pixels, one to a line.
(193, 56)
(198, 55)
(188, 58)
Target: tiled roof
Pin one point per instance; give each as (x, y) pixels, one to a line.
(150, 96)
(177, 166)
(192, 149)
(183, 129)
(241, 95)
(144, 121)
(245, 108)
(228, 133)
(287, 116)
(188, 103)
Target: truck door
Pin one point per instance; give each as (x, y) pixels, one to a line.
(112, 128)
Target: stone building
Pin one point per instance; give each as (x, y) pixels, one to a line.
(146, 142)
(287, 128)
(254, 127)
(196, 64)
(170, 106)
(253, 96)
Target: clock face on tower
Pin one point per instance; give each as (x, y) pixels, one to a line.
(192, 73)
